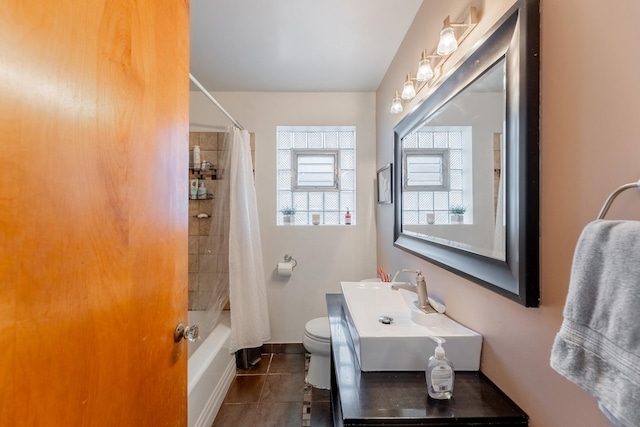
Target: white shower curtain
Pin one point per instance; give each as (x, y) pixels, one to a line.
(247, 289)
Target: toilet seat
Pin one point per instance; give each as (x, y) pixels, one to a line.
(318, 329)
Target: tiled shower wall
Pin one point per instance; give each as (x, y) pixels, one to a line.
(202, 286)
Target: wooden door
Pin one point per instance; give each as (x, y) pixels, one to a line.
(93, 212)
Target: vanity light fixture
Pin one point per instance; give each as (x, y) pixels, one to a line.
(428, 71)
(425, 72)
(448, 41)
(409, 90)
(396, 104)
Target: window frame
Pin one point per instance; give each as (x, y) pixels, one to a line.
(443, 153)
(297, 152)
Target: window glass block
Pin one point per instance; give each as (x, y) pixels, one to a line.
(284, 160)
(422, 217)
(284, 180)
(440, 140)
(410, 200)
(316, 202)
(410, 141)
(455, 182)
(455, 159)
(425, 139)
(409, 217)
(442, 217)
(301, 201)
(314, 140)
(331, 201)
(331, 140)
(347, 159)
(441, 200)
(300, 218)
(284, 140)
(332, 218)
(455, 198)
(425, 200)
(299, 140)
(347, 180)
(455, 139)
(284, 200)
(347, 200)
(347, 139)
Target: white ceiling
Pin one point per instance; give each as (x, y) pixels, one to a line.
(296, 45)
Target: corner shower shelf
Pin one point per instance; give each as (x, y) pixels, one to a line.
(209, 197)
(209, 171)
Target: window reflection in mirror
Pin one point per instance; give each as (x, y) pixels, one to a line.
(452, 190)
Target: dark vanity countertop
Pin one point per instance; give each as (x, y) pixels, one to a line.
(400, 398)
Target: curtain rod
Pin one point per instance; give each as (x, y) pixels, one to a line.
(212, 99)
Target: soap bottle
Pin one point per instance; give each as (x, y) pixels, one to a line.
(439, 373)
(347, 218)
(193, 188)
(196, 157)
(202, 191)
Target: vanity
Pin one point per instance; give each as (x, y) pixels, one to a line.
(400, 398)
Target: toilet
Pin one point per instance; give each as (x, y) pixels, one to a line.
(317, 342)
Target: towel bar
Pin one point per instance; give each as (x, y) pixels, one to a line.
(613, 195)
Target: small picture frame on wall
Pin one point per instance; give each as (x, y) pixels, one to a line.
(385, 187)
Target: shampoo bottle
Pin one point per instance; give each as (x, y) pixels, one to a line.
(196, 157)
(439, 373)
(347, 218)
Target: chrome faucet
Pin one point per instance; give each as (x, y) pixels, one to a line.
(420, 288)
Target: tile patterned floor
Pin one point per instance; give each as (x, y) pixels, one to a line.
(274, 394)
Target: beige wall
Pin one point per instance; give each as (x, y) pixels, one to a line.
(326, 255)
(590, 114)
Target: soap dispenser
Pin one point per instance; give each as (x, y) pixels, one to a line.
(439, 373)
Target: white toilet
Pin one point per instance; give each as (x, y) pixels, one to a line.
(317, 342)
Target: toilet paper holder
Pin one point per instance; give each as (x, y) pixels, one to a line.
(289, 258)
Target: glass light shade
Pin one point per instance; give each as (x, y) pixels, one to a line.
(396, 104)
(425, 72)
(408, 91)
(448, 43)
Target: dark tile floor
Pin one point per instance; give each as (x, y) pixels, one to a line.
(274, 394)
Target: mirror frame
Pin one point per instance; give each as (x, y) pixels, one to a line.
(515, 37)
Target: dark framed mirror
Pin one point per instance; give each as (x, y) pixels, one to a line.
(467, 175)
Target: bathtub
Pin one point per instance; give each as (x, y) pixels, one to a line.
(211, 370)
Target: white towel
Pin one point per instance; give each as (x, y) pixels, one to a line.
(598, 345)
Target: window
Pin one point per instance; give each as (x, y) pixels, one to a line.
(438, 173)
(426, 169)
(315, 170)
(316, 173)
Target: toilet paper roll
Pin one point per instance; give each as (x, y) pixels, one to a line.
(285, 268)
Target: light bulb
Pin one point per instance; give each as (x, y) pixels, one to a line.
(396, 104)
(408, 91)
(425, 72)
(448, 43)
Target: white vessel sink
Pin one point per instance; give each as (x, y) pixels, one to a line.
(403, 345)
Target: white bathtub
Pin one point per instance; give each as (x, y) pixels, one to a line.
(211, 370)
